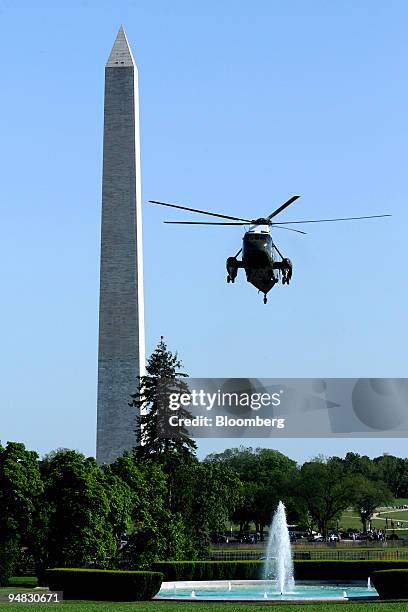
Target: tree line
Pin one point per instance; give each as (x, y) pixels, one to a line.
(315, 493)
(161, 502)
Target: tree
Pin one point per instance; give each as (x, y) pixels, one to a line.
(155, 436)
(275, 475)
(215, 491)
(244, 463)
(171, 447)
(20, 490)
(153, 532)
(199, 498)
(77, 514)
(394, 472)
(326, 489)
(368, 496)
(361, 465)
(265, 475)
(121, 500)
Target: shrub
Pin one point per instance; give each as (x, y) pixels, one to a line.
(252, 570)
(209, 570)
(392, 583)
(104, 585)
(342, 569)
(9, 552)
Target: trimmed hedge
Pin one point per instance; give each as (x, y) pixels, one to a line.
(252, 570)
(343, 569)
(392, 583)
(104, 585)
(209, 570)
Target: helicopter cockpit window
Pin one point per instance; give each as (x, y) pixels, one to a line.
(260, 237)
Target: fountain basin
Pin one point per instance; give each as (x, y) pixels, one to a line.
(256, 590)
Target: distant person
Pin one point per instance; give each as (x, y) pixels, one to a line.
(287, 270)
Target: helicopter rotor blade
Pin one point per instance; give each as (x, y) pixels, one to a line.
(285, 205)
(288, 228)
(291, 229)
(203, 223)
(197, 210)
(328, 220)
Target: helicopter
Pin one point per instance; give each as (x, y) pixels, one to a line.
(263, 262)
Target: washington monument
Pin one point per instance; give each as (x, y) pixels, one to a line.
(121, 312)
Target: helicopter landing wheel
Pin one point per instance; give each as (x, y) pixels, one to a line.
(265, 299)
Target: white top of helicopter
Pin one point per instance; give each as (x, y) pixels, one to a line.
(259, 229)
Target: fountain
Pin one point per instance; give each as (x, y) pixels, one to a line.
(277, 583)
(279, 563)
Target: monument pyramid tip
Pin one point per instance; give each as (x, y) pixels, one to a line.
(121, 54)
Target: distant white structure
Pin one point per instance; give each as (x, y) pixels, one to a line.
(121, 311)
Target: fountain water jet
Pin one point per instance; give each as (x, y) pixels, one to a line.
(279, 563)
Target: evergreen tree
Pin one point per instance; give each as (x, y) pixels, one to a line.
(156, 437)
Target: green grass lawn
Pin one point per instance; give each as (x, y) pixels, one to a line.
(350, 519)
(394, 515)
(163, 606)
(20, 582)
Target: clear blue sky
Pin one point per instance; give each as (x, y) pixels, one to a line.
(243, 104)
